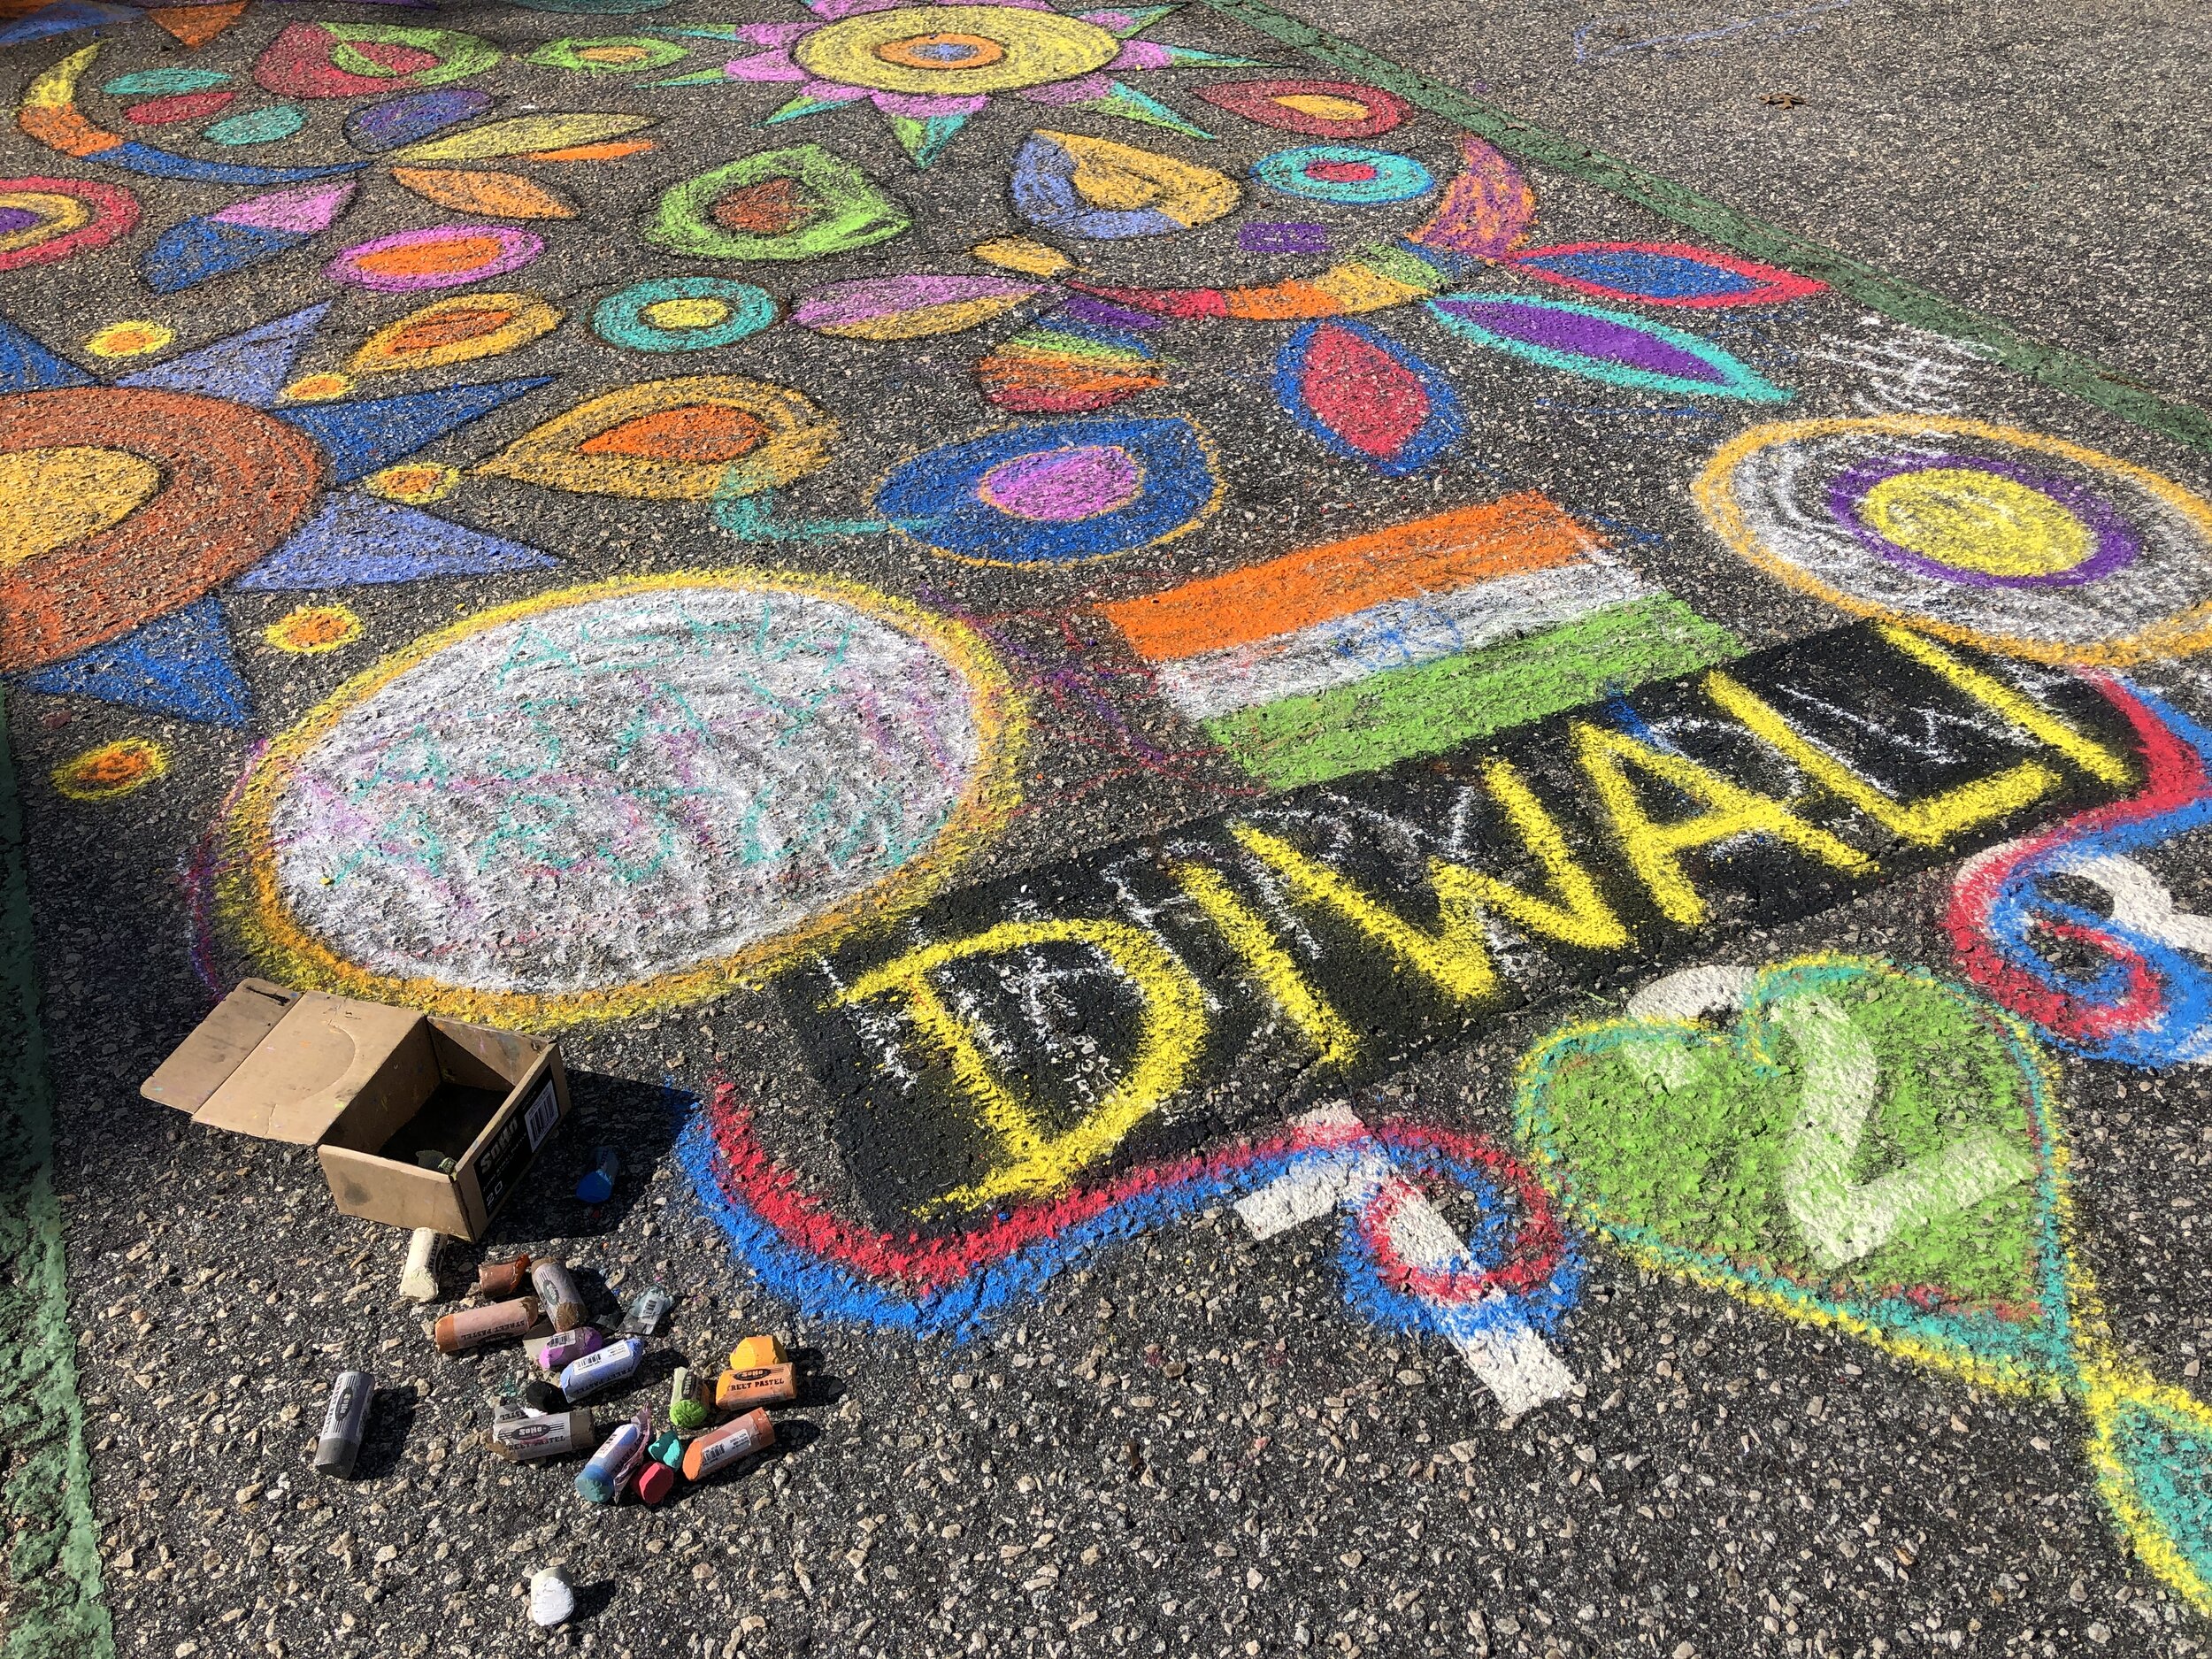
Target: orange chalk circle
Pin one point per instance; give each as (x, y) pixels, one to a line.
(414, 483)
(110, 771)
(311, 630)
(132, 339)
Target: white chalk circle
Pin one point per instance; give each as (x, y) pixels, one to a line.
(622, 795)
(2015, 542)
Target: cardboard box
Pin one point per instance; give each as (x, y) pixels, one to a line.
(368, 1086)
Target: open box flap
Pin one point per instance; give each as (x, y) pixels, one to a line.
(204, 1061)
(304, 1073)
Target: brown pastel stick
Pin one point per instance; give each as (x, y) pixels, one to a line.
(763, 1385)
(501, 1280)
(755, 1431)
(495, 1322)
(564, 1302)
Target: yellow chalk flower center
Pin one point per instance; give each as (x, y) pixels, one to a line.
(699, 313)
(1977, 521)
(51, 497)
(955, 51)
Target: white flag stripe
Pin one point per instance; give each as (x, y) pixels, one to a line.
(1397, 634)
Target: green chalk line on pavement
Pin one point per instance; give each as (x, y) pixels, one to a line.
(1425, 708)
(50, 1581)
(2053, 365)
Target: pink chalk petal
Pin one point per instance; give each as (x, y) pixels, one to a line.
(834, 91)
(909, 103)
(305, 212)
(775, 65)
(1142, 55)
(850, 7)
(1080, 90)
(775, 34)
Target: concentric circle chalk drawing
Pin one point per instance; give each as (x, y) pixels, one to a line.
(717, 768)
(43, 220)
(441, 256)
(908, 307)
(1056, 493)
(135, 338)
(1344, 174)
(1602, 345)
(124, 504)
(931, 68)
(311, 630)
(796, 204)
(109, 771)
(2144, 996)
(608, 54)
(1494, 1296)
(1318, 109)
(118, 505)
(670, 314)
(697, 437)
(1661, 273)
(458, 330)
(1997, 537)
(1109, 192)
(1736, 1156)
(1366, 397)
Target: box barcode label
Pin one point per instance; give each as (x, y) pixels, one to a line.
(539, 1120)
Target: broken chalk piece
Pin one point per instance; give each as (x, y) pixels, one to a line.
(343, 1420)
(687, 1400)
(564, 1302)
(419, 1275)
(602, 1480)
(655, 1484)
(755, 1431)
(526, 1439)
(667, 1448)
(756, 1351)
(647, 1310)
(764, 1385)
(598, 1187)
(473, 1327)
(602, 1368)
(551, 1600)
(499, 1279)
(541, 1395)
(556, 1353)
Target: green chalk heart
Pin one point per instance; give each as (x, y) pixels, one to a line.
(1867, 1135)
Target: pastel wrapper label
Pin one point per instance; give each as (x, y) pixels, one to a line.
(524, 1439)
(473, 1327)
(766, 1386)
(595, 1372)
(755, 1431)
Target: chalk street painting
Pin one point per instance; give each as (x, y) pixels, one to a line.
(1126, 587)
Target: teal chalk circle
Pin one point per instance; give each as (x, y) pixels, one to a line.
(147, 84)
(257, 126)
(1345, 174)
(620, 320)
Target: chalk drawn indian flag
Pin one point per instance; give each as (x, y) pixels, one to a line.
(1409, 640)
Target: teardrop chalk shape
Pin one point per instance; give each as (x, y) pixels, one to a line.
(1663, 273)
(1601, 345)
(1366, 397)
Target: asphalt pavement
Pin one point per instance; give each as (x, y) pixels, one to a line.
(1389, 812)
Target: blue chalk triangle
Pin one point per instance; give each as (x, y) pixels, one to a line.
(251, 367)
(64, 17)
(179, 665)
(200, 249)
(27, 367)
(361, 437)
(357, 541)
